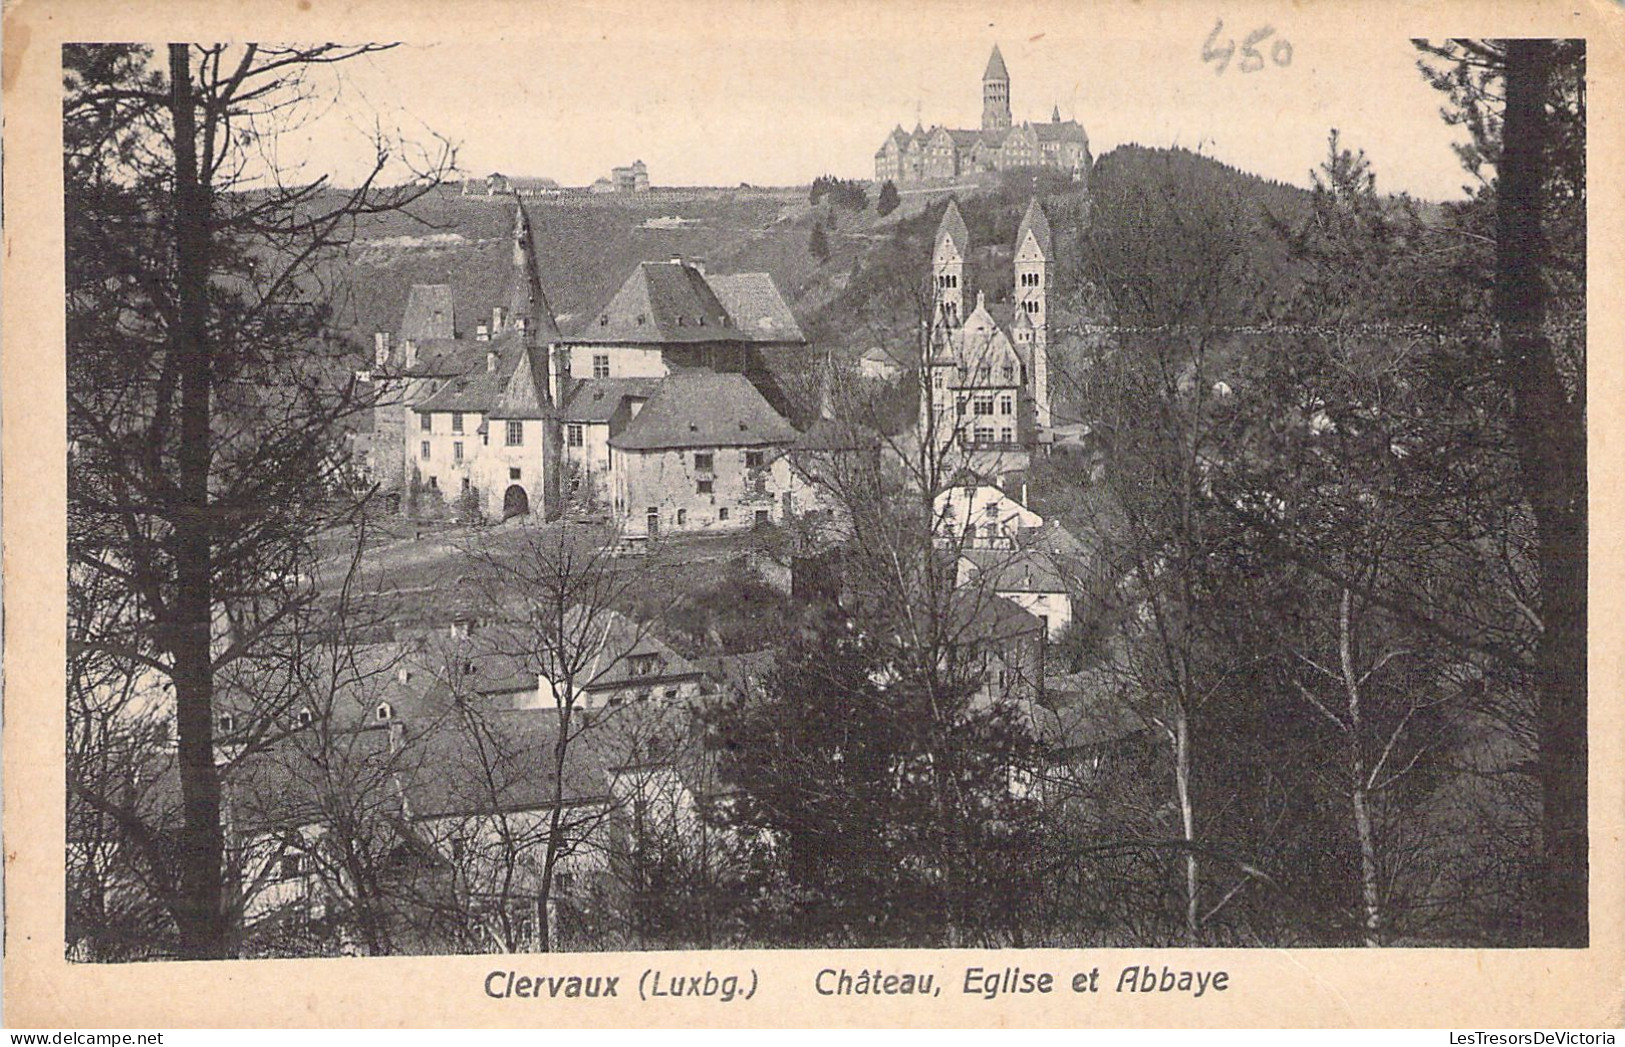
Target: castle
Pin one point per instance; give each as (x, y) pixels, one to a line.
(945, 153)
(648, 415)
(985, 382)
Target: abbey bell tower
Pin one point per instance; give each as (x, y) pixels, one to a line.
(996, 94)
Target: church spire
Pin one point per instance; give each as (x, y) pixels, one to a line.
(527, 304)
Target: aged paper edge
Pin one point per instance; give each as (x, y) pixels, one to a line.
(1274, 988)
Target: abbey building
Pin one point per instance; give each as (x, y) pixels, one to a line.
(945, 153)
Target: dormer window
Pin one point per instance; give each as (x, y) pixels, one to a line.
(228, 723)
(603, 321)
(306, 717)
(681, 322)
(384, 712)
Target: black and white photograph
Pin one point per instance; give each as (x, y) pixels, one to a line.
(959, 477)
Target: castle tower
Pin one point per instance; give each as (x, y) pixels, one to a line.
(996, 94)
(1033, 252)
(948, 268)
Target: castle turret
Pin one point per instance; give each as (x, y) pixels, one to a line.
(996, 94)
(1033, 252)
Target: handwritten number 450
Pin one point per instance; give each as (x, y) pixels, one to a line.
(1251, 59)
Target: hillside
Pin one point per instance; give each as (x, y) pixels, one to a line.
(585, 247)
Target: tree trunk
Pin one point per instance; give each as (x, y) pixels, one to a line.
(1550, 432)
(201, 919)
(1187, 821)
(1357, 774)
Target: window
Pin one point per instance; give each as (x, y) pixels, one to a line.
(722, 514)
(1007, 403)
(426, 422)
(600, 362)
(465, 484)
(936, 379)
(763, 518)
(984, 434)
(384, 713)
(603, 320)
(642, 664)
(513, 473)
(1006, 435)
(573, 435)
(704, 486)
(984, 405)
(671, 692)
(306, 718)
(703, 461)
(291, 867)
(754, 459)
(456, 421)
(423, 451)
(434, 481)
(516, 434)
(682, 517)
(227, 724)
(457, 451)
(1009, 372)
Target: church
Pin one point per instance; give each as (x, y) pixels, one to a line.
(944, 153)
(986, 378)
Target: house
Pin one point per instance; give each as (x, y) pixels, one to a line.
(980, 516)
(1026, 578)
(706, 453)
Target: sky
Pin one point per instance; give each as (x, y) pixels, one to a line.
(778, 93)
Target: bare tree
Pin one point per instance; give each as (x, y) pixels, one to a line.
(206, 386)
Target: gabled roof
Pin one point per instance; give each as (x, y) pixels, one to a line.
(1062, 131)
(1016, 572)
(429, 313)
(615, 642)
(595, 400)
(757, 309)
(479, 387)
(702, 409)
(952, 227)
(661, 302)
(965, 137)
(1036, 223)
(524, 394)
(995, 66)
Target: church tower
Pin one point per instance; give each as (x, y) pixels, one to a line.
(1033, 252)
(948, 268)
(996, 94)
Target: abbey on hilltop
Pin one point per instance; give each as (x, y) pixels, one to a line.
(946, 153)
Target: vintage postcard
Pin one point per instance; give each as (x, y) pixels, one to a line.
(819, 514)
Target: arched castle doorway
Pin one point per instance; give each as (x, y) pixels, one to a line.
(515, 502)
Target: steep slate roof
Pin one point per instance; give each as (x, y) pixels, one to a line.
(524, 394)
(701, 409)
(615, 640)
(526, 299)
(661, 302)
(995, 66)
(1019, 572)
(595, 400)
(478, 387)
(1036, 223)
(674, 302)
(953, 225)
(429, 313)
(1061, 131)
(759, 312)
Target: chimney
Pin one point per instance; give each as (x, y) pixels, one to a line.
(380, 348)
(411, 353)
(491, 360)
(496, 318)
(482, 333)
